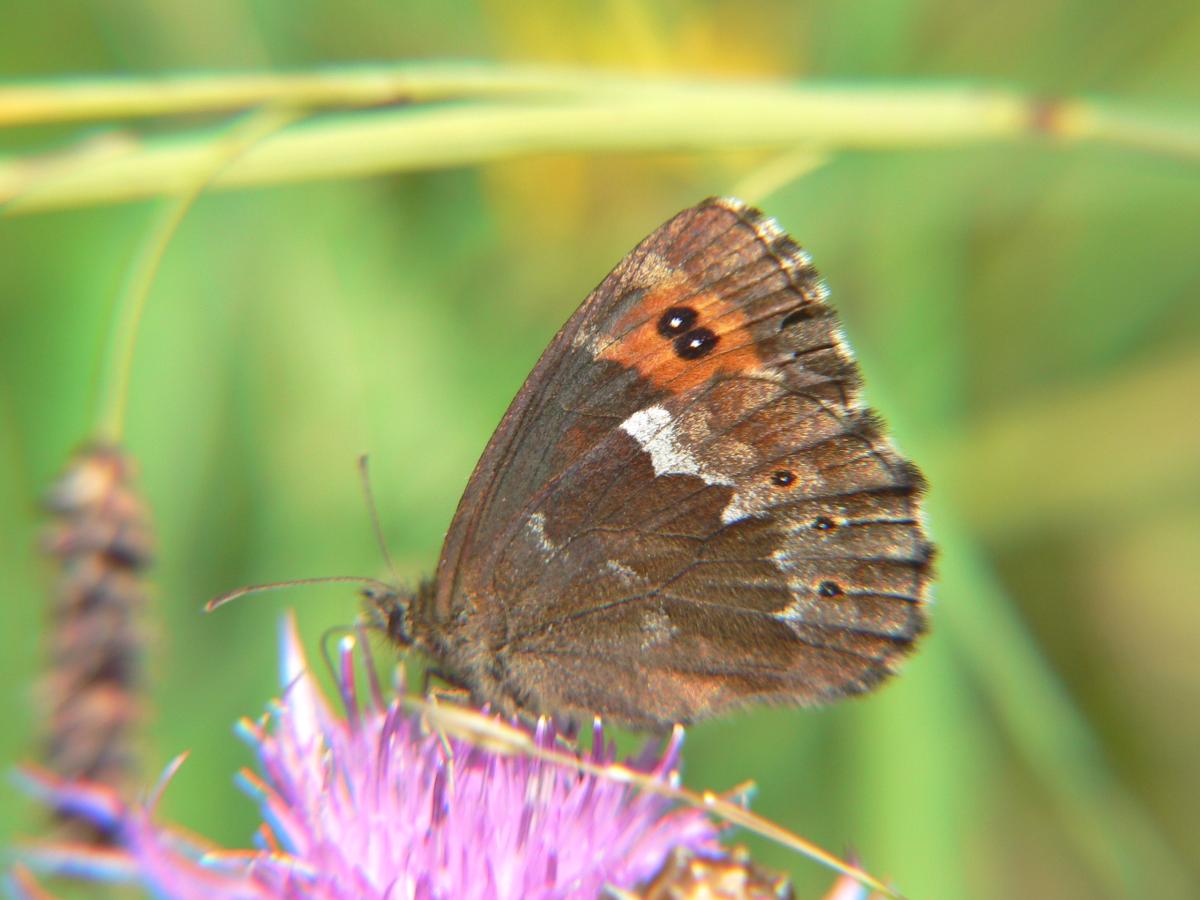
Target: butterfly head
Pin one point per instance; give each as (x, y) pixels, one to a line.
(391, 610)
(386, 609)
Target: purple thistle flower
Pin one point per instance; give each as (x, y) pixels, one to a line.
(370, 803)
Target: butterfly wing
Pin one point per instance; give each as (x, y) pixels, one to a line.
(686, 508)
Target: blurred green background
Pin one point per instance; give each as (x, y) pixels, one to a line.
(1026, 315)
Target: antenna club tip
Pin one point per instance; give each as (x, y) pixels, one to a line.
(216, 603)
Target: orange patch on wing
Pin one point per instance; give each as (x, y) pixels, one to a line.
(641, 346)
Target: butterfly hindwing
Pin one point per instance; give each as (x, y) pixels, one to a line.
(685, 508)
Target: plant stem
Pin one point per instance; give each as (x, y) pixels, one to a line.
(131, 302)
(604, 115)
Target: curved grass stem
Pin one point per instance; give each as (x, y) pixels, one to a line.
(117, 361)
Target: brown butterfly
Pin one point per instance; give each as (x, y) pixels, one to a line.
(686, 508)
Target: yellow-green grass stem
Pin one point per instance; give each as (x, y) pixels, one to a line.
(1111, 831)
(98, 99)
(656, 117)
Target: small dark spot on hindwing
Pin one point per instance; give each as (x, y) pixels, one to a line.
(801, 314)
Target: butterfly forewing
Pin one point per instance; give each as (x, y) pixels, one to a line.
(685, 508)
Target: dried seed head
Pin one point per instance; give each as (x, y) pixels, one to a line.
(101, 541)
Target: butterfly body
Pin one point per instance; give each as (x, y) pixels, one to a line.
(686, 509)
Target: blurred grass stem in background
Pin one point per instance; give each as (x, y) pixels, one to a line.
(1113, 832)
(1038, 460)
(487, 125)
(1004, 204)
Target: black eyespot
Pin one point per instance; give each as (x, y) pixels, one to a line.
(802, 314)
(783, 478)
(824, 523)
(829, 589)
(696, 343)
(677, 320)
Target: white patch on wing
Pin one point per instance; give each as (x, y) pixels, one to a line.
(734, 511)
(626, 574)
(654, 430)
(796, 612)
(658, 434)
(656, 628)
(754, 499)
(750, 501)
(536, 525)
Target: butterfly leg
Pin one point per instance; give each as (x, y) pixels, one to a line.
(453, 687)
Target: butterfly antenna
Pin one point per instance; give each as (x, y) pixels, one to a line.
(220, 601)
(364, 471)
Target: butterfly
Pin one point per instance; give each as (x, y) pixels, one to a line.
(686, 508)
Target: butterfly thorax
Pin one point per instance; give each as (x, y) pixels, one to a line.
(467, 648)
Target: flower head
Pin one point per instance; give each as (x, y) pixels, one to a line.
(368, 802)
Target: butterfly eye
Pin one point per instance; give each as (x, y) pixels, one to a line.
(677, 320)
(829, 589)
(696, 343)
(783, 478)
(824, 523)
